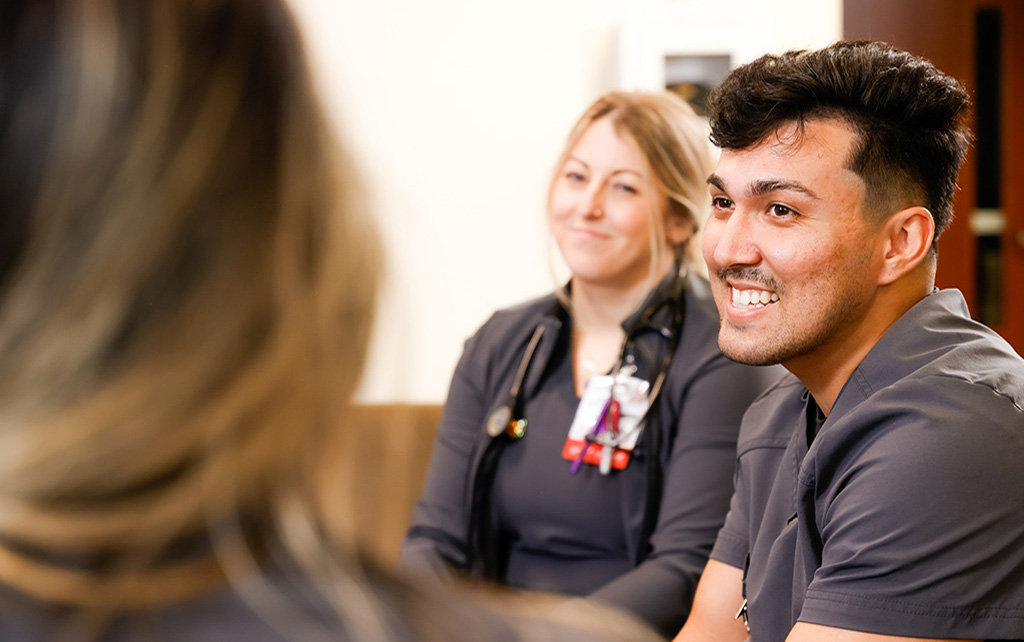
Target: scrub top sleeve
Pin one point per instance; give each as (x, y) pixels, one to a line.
(436, 541)
(698, 484)
(732, 545)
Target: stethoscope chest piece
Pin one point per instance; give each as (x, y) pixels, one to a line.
(497, 423)
(501, 421)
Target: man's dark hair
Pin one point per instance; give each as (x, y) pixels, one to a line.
(908, 115)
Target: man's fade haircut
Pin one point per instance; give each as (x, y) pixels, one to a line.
(909, 117)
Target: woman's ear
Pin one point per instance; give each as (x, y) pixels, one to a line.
(908, 240)
(678, 230)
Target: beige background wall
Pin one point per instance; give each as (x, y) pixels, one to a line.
(455, 111)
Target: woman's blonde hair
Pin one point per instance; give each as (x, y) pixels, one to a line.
(673, 141)
(186, 288)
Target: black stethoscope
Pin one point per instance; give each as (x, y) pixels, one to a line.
(501, 420)
(506, 418)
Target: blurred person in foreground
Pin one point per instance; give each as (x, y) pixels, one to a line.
(879, 485)
(186, 286)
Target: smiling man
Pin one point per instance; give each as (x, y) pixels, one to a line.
(880, 488)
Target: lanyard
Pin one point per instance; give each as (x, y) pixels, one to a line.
(505, 420)
(606, 431)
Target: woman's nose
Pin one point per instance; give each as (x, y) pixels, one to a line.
(591, 203)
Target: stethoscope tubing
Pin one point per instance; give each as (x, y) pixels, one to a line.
(501, 420)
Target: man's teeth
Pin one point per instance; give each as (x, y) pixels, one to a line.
(753, 298)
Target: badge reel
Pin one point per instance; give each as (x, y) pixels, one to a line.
(607, 422)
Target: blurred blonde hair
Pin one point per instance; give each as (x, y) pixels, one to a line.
(673, 141)
(187, 279)
(186, 291)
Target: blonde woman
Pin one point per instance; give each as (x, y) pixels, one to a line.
(588, 440)
(186, 283)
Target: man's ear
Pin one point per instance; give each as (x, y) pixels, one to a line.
(908, 240)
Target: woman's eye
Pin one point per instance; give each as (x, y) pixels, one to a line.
(574, 177)
(629, 189)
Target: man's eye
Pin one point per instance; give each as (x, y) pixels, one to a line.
(781, 210)
(721, 202)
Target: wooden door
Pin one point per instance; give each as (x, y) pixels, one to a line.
(980, 42)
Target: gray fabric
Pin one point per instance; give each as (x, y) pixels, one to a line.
(298, 614)
(584, 536)
(905, 515)
(219, 617)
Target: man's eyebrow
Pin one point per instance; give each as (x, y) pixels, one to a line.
(769, 185)
(765, 186)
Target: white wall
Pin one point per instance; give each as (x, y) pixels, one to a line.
(455, 111)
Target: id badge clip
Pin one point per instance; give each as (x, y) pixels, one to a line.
(607, 422)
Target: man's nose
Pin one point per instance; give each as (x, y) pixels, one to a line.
(733, 241)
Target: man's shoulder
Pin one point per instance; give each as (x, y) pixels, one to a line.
(943, 403)
(961, 408)
(934, 347)
(983, 368)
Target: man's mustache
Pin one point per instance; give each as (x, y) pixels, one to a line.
(750, 274)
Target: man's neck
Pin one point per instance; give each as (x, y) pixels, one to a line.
(825, 371)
